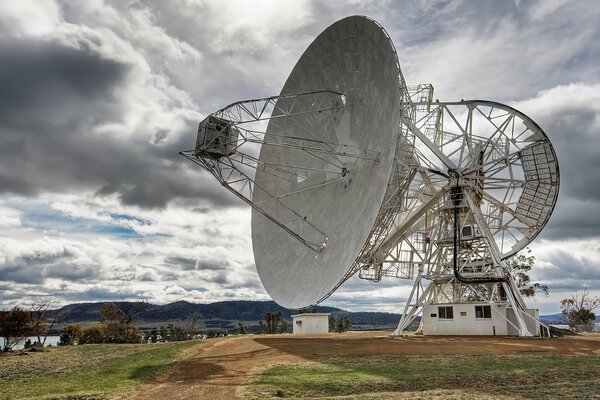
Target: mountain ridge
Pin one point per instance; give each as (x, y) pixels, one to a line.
(233, 310)
(230, 311)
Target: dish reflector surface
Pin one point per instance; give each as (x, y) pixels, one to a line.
(353, 56)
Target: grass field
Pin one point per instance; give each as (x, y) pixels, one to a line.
(84, 372)
(435, 377)
(353, 366)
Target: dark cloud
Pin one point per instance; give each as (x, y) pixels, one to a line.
(36, 269)
(220, 278)
(23, 274)
(183, 263)
(54, 97)
(211, 265)
(571, 268)
(573, 132)
(9, 295)
(41, 75)
(573, 219)
(71, 272)
(100, 294)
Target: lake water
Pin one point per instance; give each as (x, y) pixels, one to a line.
(50, 340)
(559, 326)
(596, 327)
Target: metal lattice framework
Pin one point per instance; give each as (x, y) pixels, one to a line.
(507, 173)
(229, 141)
(503, 161)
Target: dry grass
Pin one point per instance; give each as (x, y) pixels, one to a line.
(434, 377)
(64, 359)
(85, 372)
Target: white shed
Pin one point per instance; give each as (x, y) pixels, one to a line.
(311, 323)
(475, 319)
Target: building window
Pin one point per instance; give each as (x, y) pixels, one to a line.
(445, 312)
(483, 312)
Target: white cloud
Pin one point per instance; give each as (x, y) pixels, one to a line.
(9, 218)
(136, 222)
(511, 57)
(30, 17)
(544, 8)
(573, 97)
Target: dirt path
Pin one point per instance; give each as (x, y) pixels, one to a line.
(215, 372)
(218, 372)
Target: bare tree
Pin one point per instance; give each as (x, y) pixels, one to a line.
(125, 313)
(193, 325)
(42, 320)
(14, 326)
(118, 321)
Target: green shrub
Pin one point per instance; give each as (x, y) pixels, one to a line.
(94, 334)
(71, 334)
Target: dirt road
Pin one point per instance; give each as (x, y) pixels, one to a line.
(220, 370)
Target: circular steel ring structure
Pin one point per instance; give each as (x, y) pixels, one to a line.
(340, 196)
(501, 157)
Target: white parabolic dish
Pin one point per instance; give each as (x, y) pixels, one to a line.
(353, 56)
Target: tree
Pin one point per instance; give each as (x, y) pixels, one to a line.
(116, 332)
(519, 266)
(241, 328)
(193, 325)
(110, 312)
(71, 334)
(94, 334)
(41, 321)
(119, 321)
(579, 310)
(273, 323)
(332, 323)
(343, 323)
(177, 333)
(14, 326)
(125, 313)
(153, 335)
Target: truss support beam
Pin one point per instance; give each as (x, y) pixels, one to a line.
(434, 149)
(396, 235)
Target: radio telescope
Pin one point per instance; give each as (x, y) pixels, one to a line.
(350, 171)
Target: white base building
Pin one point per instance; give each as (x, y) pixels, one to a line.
(311, 323)
(475, 319)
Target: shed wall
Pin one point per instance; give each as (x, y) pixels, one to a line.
(310, 323)
(464, 321)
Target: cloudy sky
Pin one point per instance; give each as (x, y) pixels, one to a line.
(98, 97)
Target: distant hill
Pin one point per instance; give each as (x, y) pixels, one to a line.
(226, 314)
(552, 318)
(557, 318)
(222, 313)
